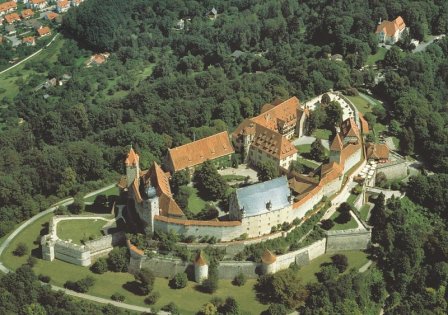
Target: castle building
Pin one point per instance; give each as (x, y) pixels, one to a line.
(266, 136)
(378, 152)
(346, 148)
(188, 156)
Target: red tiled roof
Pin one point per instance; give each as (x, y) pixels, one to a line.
(132, 158)
(29, 39)
(268, 257)
(349, 128)
(44, 31)
(37, 1)
(200, 260)
(5, 6)
(272, 143)
(196, 222)
(377, 151)
(336, 145)
(391, 27)
(52, 15)
(286, 112)
(11, 18)
(197, 152)
(27, 13)
(364, 123)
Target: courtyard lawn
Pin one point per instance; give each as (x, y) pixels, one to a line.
(380, 54)
(78, 230)
(321, 134)
(303, 148)
(195, 202)
(356, 259)
(231, 177)
(308, 163)
(364, 212)
(351, 199)
(352, 224)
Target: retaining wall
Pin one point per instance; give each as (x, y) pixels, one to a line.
(393, 170)
(355, 239)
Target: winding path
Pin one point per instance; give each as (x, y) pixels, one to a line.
(66, 202)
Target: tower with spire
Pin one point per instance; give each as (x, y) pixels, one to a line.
(132, 167)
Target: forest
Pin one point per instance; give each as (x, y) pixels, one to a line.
(75, 138)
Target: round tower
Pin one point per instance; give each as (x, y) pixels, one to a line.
(200, 268)
(268, 260)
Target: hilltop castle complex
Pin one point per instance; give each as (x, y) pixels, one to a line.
(255, 209)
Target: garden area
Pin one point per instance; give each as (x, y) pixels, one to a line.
(378, 56)
(79, 231)
(323, 134)
(340, 224)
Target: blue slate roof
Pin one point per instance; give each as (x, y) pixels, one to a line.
(255, 198)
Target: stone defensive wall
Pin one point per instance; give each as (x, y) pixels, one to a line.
(393, 170)
(55, 248)
(334, 242)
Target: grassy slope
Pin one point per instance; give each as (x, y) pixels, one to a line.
(8, 79)
(349, 225)
(372, 59)
(76, 230)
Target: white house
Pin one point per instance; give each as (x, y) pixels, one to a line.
(390, 32)
(62, 6)
(37, 4)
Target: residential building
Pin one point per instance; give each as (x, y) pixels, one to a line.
(75, 3)
(267, 135)
(62, 6)
(212, 14)
(29, 41)
(44, 31)
(7, 7)
(12, 18)
(37, 4)
(390, 32)
(215, 148)
(97, 59)
(51, 16)
(27, 13)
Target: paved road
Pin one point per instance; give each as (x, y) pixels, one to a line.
(422, 46)
(30, 56)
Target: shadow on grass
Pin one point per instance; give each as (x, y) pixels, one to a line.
(133, 287)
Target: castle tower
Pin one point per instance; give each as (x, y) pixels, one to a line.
(268, 260)
(151, 207)
(335, 149)
(132, 167)
(200, 268)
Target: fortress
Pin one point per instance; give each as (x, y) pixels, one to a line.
(253, 210)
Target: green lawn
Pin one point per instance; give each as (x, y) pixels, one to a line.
(352, 224)
(303, 148)
(372, 59)
(322, 134)
(8, 79)
(195, 203)
(78, 230)
(396, 142)
(231, 178)
(356, 259)
(361, 104)
(114, 191)
(351, 199)
(364, 211)
(308, 163)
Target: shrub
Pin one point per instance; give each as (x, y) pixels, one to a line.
(340, 262)
(31, 261)
(118, 259)
(327, 224)
(146, 279)
(44, 278)
(172, 308)
(81, 286)
(276, 309)
(239, 280)
(20, 250)
(99, 266)
(152, 298)
(117, 297)
(179, 281)
(327, 272)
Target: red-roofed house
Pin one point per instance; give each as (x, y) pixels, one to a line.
(390, 32)
(44, 31)
(37, 4)
(51, 16)
(29, 41)
(27, 13)
(62, 6)
(12, 18)
(7, 7)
